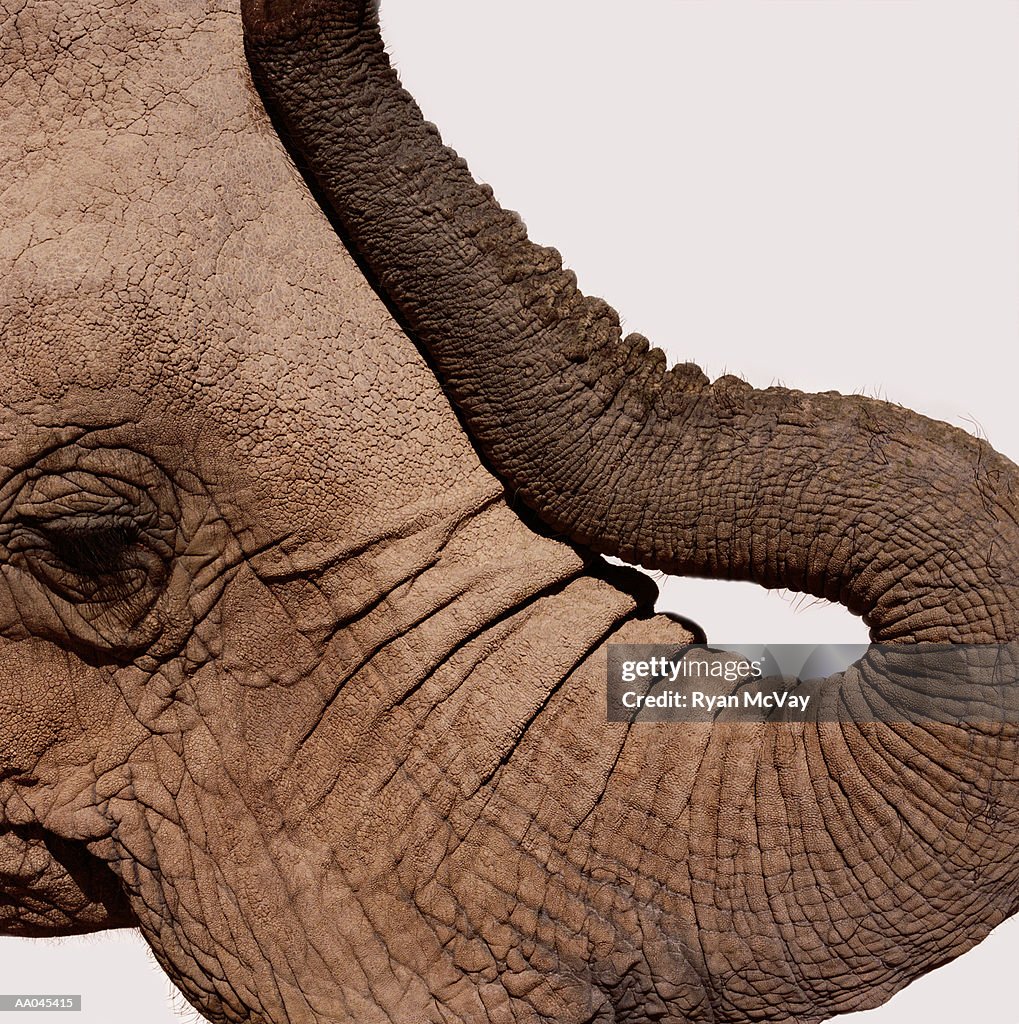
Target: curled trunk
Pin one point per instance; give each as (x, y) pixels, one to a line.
(909, 522)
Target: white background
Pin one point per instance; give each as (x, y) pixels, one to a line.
(820, 194)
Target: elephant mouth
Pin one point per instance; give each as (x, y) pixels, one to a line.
(51, 886)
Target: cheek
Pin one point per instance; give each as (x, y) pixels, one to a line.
(37, 703)
(60, 718)
(264, 647)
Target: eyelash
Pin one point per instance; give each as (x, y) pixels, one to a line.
(97, 552)
(99, 565)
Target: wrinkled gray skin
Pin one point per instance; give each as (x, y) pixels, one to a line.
(286, 683)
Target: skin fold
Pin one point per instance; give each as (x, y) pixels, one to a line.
(307, 682)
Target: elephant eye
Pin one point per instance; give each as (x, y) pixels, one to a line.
(89, 539)
(94, 562)
(94, 552)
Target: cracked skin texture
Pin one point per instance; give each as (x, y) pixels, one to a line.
(330, 729)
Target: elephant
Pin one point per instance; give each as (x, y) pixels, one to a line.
(309, 463)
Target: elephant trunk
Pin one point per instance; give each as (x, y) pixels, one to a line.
(907, 521)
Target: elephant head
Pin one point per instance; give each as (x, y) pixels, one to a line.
(305, 475)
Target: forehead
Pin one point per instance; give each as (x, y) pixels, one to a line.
(145, 197)
(160, 255)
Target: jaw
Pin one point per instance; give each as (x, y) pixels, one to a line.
(51, 887)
